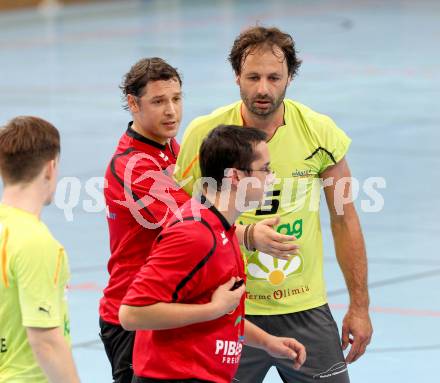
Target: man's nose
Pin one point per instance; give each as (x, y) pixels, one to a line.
(262, 87)
(170, 109)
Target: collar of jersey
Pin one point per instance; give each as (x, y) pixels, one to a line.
(19, 211)
(219, 215)
(139, 137)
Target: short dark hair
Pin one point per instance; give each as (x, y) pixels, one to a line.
(26, 144)
(228, 146)
(257, 37)
(144, 71)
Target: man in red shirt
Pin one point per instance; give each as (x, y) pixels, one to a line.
(191, 287)
(141, 196)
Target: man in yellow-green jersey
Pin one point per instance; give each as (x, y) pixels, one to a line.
(34, 324)
(288, 296)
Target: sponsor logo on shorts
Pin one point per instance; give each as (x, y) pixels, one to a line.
(336, 369)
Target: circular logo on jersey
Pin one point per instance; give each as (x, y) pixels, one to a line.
(158, 185)
(274, 270)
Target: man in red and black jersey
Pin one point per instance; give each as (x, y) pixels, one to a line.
(140, 194)
(187, 301)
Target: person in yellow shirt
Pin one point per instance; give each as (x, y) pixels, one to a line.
(34, 322)
(287, 296)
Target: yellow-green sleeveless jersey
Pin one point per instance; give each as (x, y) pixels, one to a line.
(33, 276)
(300, 151)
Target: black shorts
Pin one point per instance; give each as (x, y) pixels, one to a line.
(118, 344)
(316, 330)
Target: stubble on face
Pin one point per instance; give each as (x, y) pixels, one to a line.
(251, 103)
(260, 60)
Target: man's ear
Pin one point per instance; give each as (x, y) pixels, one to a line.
(232, 173)
(132, 103)
(237, 79)
(49, 169)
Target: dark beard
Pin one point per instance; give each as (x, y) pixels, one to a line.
(261, 112)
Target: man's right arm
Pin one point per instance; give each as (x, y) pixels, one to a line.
(164, 316)
(153, 300)
(266, 239)
(53, 354)
(278, 347)
(40, 276)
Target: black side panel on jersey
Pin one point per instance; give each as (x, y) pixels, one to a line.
(199, 265)
(136, 198)
(324, 150)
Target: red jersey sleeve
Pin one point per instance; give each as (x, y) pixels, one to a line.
(174, 269)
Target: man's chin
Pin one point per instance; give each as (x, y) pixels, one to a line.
(171, 134)
(48, 201)
(262, 112)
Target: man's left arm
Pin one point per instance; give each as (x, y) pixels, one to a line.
(351, 255)
(278, 347)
